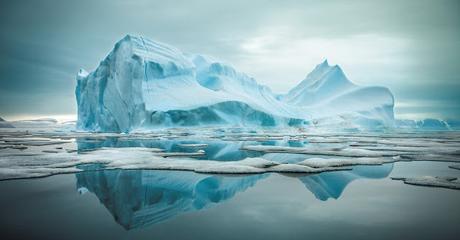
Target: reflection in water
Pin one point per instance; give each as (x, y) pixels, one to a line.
(139, 198)
(215, 150)
(331, 184)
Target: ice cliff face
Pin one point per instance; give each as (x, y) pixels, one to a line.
(144, 84)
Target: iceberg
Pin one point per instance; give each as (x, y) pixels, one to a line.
(5, 124)
(144, 84)
(427, 124)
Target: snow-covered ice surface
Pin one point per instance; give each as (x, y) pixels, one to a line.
(40, 152)
(430, 181)
(144, 84)
(194, 145)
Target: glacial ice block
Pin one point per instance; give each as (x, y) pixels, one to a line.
(146, 84)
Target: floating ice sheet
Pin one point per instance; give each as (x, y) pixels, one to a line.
(42, 152)
(401, 154)
(341, 162)
(18, 166)
(430, 181)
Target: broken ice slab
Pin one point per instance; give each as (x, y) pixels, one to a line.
(430, 181)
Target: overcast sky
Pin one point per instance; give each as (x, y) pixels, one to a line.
(412, 47)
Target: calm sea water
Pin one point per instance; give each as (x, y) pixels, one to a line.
(143, 204)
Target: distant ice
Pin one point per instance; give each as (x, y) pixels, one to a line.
(193, 145)
(5, 124)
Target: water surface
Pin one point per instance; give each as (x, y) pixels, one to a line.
(144, 204)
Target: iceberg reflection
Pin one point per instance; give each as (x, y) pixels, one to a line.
(332, 184)
(215, 150)
(138, 198)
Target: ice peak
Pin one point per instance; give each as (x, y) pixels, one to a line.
(321, 68)
(129, 35)
(82, 73)
(324, 63)
(338, 69)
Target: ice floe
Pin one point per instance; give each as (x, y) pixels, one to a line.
(401, 154)
(42, 152)
(344, 152)
(193, 145)
(430, 181)
(455, 167)
(19, 166)
(342, 162)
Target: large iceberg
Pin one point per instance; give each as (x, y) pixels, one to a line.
(144, 84)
